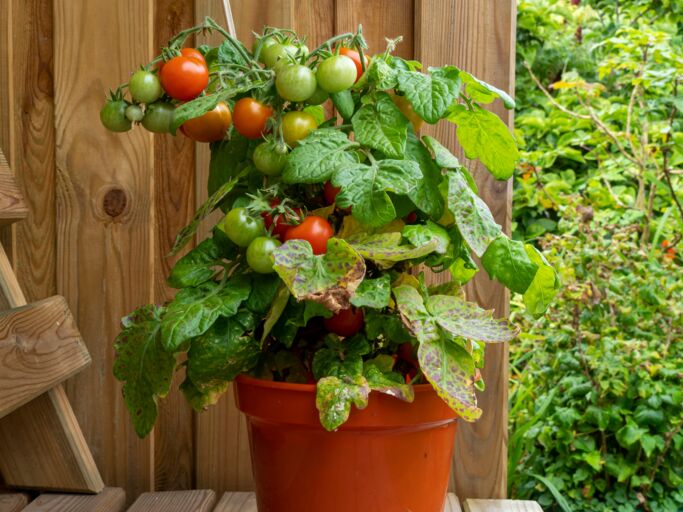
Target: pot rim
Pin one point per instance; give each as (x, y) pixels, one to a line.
(302, 388)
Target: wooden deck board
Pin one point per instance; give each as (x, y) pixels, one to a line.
(111, 499)
(501, 506)
(12, 502)
(175, 501)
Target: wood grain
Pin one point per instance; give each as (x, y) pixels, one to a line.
(478, 36)
(178, 501)
(13, 502)
(111, 499)
(6, 107)
(40, 346)
(12, 205)
(501, 506)
(105, 219)
(174, 205)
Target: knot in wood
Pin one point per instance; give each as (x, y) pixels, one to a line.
(114, 202)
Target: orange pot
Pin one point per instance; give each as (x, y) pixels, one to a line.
(389, 457)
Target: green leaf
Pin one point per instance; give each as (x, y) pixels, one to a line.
(365, 187)
(545, 285)
(422, 234)
(508, 262)
(275, 312)
(442, 156)
(414, 314)
(318, 113)
(334, 397)
(472, 216)
(462, 318)
(561, 500)
(341, 359)
(431, 95)
(426, 195)
(593, 459)
(196, 266)
(187, 233)
(389, 383)
(483, 135)
(201, 399)
(264, 289)
(373, 293)
(384, 248)
(388, 326)
(450, 369)
(382, 74)
(228, 159)
(630, 434)
(229, 54)
(143, 365)
(482, 92)
(318, 157)
(330, 279)
(223, 352)
(194, 108)
(381, 126)
(194, 310)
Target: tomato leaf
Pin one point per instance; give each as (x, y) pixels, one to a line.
(223, 352)
(275, 312)
(508, 262)
(341, 359)
(318, 157)
(330, 279)
(414, 313)
(196, 266)
(334, 397)
(388, 326)
(365, 187)
(466, 319)
(201, 399)
(382, 74)
(450, 369)
(425, 195)
(442, 156)
(381, 126)
(472, 216)
(482, 92)
(389, 383)
(483, 135)
(373, 293)
(228, 159)
(422, 234)
(232, 51)
(384, 248)
(431, 94)
(264, 289)
(545, 285)
(143, 365)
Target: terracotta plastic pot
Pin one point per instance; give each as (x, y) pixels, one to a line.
(389, 457)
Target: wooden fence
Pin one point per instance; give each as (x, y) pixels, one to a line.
(105, 208)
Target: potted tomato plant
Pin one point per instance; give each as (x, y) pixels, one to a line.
(311, 294)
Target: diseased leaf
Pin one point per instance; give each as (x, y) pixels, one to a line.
(365, 187)
(389, 383)
(425, 195)
(330, 279)
(423, 234)
(334, 397)
(384, 248)
(373, 293)
(341, 359)
(483, 135)
(545, 285)
(482, 92)
(143, 365)
(381, 126)
(388, 326)
(508, 262)
(431, 94)
(462, 318)
(201, 399)
(197, 266)
(414, 313)
(472, 216)
(318, 157)
(450, 369)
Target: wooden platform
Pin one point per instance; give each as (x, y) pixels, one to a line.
(113, 500)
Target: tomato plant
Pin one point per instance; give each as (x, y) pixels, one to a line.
(315, 230)
(209, 127)
(281, 219)
(296, 126)
(346, 322)
(184, 78)
(250, 117)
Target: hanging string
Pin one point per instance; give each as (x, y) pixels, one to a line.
(228, 18)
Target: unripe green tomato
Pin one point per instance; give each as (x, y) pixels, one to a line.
(319, 97)
(259, 254)
(274, 52)
(158, 117)
(144, 86)
(134, 113)
(296, 126)
(113, 116)
(268, 160)
(336, 74)
(241, 227)
(295, 83)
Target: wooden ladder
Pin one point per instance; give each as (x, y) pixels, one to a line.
(41, 443)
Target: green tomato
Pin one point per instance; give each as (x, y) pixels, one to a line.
(241, 227)
(158, 117)
(113, 116)
(296, 126)
(319, 97)
(134, 113)
(268, 160)
(259, 254)
(267, 42)
(274, 52)
(336, 74)
(145, 87)
(295, 83)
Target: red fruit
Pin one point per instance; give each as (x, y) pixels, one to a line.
(355, 57)
(330, 192)
(346, 322)
(411, 218)
(410, 375)
(283, 222)
(315, 230)
(407, 353)
(184, 78)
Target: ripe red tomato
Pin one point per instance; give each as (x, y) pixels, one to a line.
(355, 57)
(407, 354)
(346, 322)
(411, 218)
(184, 78)
(250, 117)
(330, 192)
(315, 230)
(192, 53)
(282, 222)
(209, 127)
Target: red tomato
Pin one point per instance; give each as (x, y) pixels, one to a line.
(346, 322)
(315, 230)
(330, 192)
(410, 375)
(250, 117)
(355, 57)
(209, 127)
(184, 78)
(282, 222)
(411, 218)
(192, 53)
(407, 354)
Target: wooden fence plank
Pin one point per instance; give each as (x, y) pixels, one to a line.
(237, 502)
(111, 499)
(6, 109)
(105, 224)
(452, 504)
(40, 347)
(174, 193)
(478, 36)
(13, 502)
(178, 501)
(12, 204)
(501, 506)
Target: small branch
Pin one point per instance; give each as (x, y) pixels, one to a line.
(552, 100)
